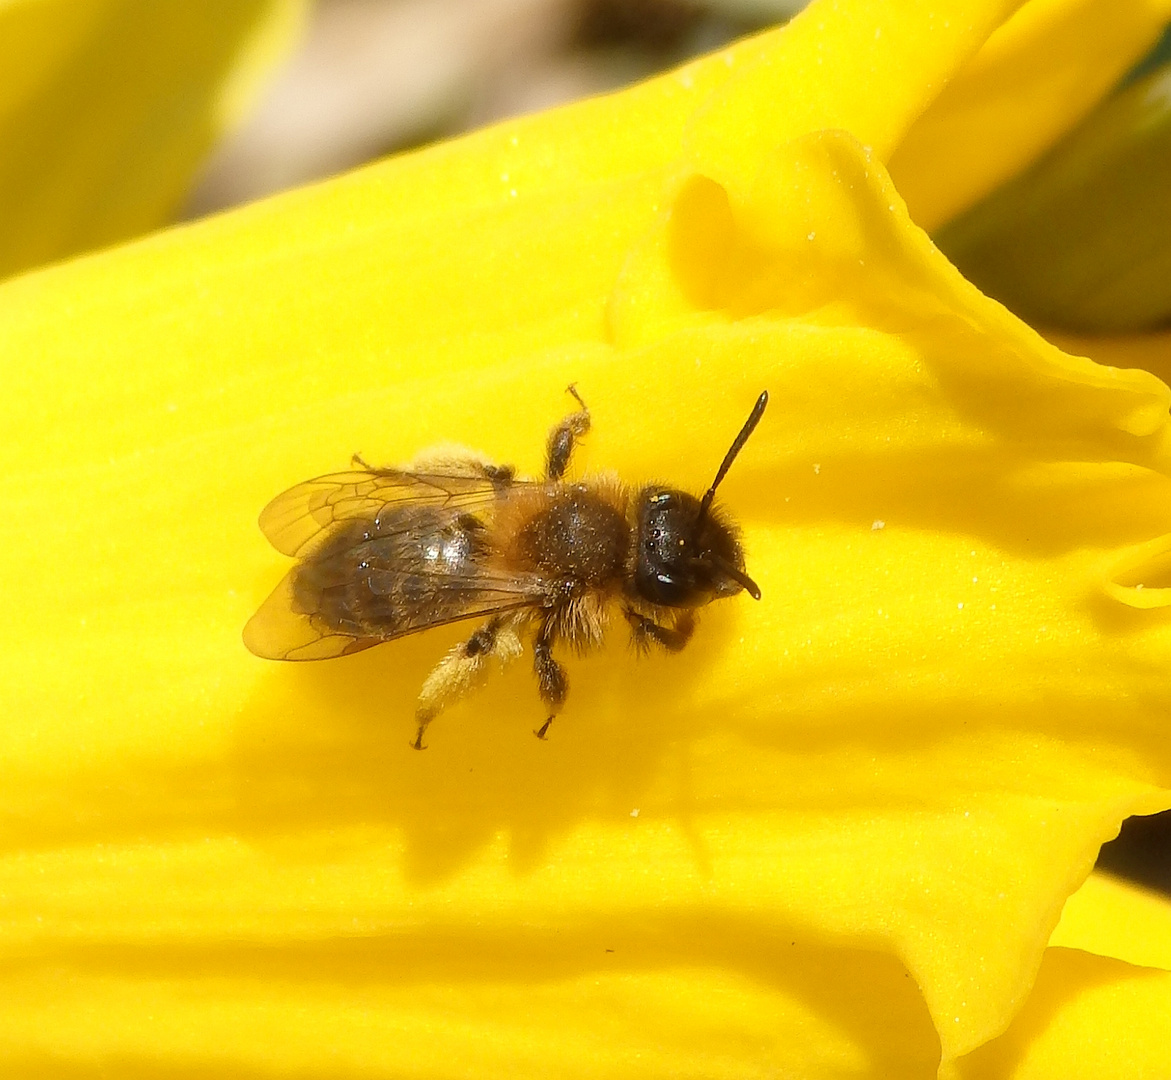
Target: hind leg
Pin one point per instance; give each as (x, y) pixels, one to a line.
(464, 669)
(447, 463)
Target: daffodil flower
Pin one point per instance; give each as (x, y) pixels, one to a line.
(832, 838)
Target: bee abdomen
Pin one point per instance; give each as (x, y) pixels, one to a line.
(411, 568)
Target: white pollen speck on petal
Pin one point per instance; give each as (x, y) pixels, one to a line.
(877, 524)
(634, 812)
(817, 470)
(960, 606)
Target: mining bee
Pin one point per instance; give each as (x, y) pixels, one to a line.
(388, 552)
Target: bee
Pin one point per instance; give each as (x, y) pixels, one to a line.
(383, 553)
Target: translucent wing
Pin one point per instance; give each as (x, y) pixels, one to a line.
(295, 518)
(281, 630)
(277, 632)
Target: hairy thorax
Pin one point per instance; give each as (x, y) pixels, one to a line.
(574, 535)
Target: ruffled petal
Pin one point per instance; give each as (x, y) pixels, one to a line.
(1102, 1003)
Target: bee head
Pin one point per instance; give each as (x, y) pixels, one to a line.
(685, 560)
(687, 556)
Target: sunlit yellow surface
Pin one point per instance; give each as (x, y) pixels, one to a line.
(831, 839)
(1102, 1001)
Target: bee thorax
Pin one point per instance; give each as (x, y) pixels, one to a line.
(579, 536)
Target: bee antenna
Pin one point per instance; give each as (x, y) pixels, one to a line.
(737, 445)
(737, 575)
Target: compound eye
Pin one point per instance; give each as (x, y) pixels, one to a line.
(662, 588)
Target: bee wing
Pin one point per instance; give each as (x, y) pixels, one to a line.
(295, 518)
(279, 631)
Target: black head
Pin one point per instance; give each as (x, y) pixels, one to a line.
(687, 556)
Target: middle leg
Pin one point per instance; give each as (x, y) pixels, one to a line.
(552, 683)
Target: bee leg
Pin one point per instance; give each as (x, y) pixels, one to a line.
(647, 632)
(500, 475)
(464, 669)
(552, 683)
(562, 438)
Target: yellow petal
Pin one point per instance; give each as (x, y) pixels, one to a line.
(1113, 918)
(893, 769)
(108, 107)
(869, 269)
(868, 67)
(1099, 1008)
(1039, 74)
(1088, 1017)
(1149, 351)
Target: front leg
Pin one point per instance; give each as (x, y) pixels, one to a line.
(552, 683)
(646, 632)
(563, 438)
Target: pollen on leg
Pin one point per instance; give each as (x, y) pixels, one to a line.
(464, 669)
(508, 644)
(457, 674)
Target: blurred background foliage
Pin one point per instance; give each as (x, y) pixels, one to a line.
(376, 76)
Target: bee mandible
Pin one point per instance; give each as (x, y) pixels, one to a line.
(383, 553)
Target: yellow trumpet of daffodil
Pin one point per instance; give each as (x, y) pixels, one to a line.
(832, 838)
